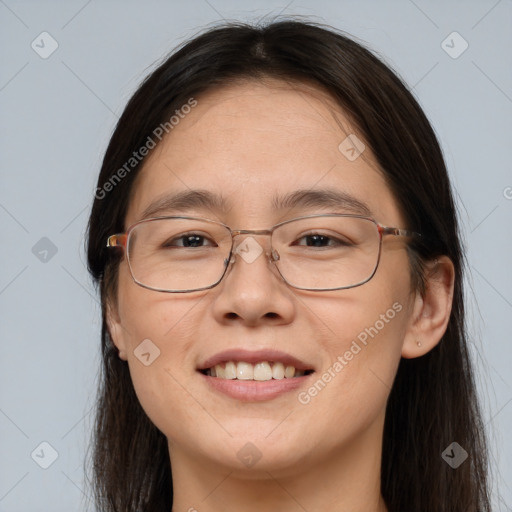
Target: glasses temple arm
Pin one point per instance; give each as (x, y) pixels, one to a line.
(118, 240)
(399, 232)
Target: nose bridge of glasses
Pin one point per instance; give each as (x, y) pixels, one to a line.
(249, 248)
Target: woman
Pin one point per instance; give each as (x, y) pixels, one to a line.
(276, 246)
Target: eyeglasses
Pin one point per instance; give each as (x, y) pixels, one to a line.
(315, 252)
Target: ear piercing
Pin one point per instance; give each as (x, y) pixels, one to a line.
(418, 342)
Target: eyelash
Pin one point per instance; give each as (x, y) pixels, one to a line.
(188, 235)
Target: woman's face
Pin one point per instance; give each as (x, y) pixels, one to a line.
(250, 142)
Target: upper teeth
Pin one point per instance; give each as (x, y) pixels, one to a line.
(260, 371)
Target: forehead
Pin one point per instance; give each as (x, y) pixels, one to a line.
(253, 142)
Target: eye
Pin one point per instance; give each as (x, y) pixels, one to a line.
(188, 240)
(319, 240)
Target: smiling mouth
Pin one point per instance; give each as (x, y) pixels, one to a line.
(261, 371)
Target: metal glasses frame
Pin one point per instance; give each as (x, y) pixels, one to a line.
(123, 239)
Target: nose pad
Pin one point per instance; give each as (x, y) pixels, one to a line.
(273, 257)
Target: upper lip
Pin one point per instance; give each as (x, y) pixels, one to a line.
(254, 357)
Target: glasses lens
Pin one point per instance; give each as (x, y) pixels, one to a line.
(178, 254)
(318, 253)
(327, 252)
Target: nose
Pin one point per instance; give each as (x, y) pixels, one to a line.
(249, 292)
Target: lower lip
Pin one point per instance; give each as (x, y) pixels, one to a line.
(253, 390)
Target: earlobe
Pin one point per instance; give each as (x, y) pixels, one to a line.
(115, 330)
(431, 311)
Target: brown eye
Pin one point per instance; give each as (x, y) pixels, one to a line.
(188, 241)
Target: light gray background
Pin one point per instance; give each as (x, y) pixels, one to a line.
(57, 116)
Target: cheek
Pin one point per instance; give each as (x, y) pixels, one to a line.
(158, 368)
(368, 321)
(366, 326)
(364, 347)
(158, 331)
(160, 317)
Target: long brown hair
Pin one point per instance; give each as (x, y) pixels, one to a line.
(433, 401)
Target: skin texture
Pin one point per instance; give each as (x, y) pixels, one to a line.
(248, 141)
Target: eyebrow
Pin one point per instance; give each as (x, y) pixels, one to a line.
(200, 199)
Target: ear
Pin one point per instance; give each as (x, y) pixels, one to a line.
(431, 311)
(115, 329)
